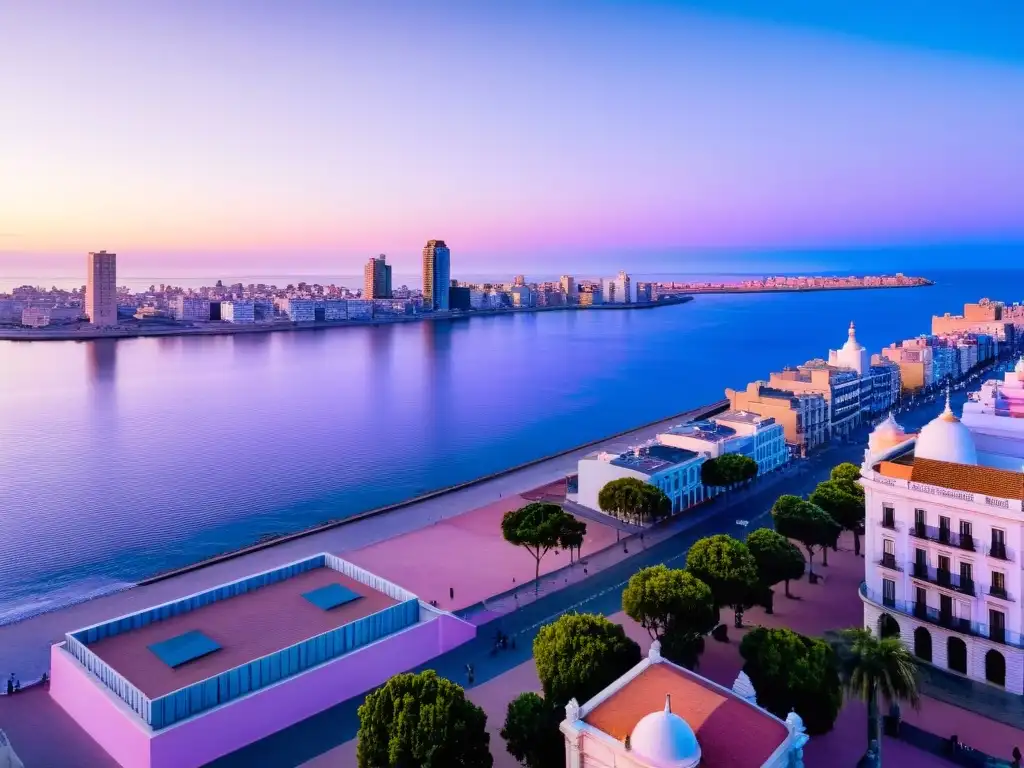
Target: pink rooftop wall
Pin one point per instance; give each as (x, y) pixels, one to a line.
(225, 729)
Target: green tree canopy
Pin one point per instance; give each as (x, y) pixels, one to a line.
(634, 499)
(844, 507)
(580, 654)
(728, 469)
(805, 522)
(531, 731)
(538, 528)
(793, 672)
(572, 534)
(424, 721)
(777, 558)
(659, 597)
(727, 567)
(847, 474)
(870, 667)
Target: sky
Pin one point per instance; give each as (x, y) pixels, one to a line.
(307, 135)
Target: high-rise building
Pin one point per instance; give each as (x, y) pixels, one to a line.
(101, 289)
(377, 279)
(568, 284)
(519, 280)
(436, 275)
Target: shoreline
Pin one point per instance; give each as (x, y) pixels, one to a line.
(796, 289)
(93, 334)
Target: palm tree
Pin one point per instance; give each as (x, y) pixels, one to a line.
(871, 667)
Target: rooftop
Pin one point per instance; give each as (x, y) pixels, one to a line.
(987, 481)
(744, 417)
(708, 431)
(653, 458)
(245, 627)
(730, 731)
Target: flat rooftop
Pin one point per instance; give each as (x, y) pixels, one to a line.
(744, 417)
(707, 431)
(654, 458)
(731, 732)
(245, 627)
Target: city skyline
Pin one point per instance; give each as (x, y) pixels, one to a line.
(809, 129)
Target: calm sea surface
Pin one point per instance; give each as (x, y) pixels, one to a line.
(120, 459)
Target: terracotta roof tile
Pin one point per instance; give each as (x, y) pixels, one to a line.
(989, 481)
(731, 732)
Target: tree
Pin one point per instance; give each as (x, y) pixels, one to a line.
(531, 731)
(421, 720)
(807, 523)
(871, 667)
(727, 567)
(793, 672)
(579, 655)
(844, 507)
(847, 474)
(537, 528)
(660, 597)
(777, 558)
(634, 499)
(728, 469)
(571, 536)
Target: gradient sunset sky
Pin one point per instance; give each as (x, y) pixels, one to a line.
(311, 134)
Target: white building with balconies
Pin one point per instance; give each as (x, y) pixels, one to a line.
(944, 535)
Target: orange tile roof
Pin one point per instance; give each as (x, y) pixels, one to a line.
(988, 481)
(731, 732)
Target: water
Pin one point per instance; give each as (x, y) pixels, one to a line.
(121, 459)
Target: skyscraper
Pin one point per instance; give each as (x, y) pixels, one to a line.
(101, 289)
(377, 279)
(437, 271)
(568, 284)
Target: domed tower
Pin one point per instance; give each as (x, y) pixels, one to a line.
(945, 438)
(664, 740)
(886, 435)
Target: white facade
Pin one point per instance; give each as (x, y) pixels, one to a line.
(759, 437)
(852, 355)
(618, 290)
(238, 312)
(944, 535)
(300, 310)
(190, 309)
(675, 471)
(35, 317)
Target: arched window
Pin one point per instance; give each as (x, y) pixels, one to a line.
(923, 644)
(956, 655)
(995, 667)
(888, 626)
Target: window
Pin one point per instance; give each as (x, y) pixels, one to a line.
(967, 578)
(999, 584)
(943, 571)
(920, 517)
(888, 592)
(998, 544)
(945, 608)
(943, 529)
(888, 517)
(889, 553)
(965, 529)
(996, 625)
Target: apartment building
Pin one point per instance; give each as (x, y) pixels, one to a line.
(841, 388)
(190, 309)
(945, 533)
(758, 437)
(675, 471)
(803, 416)
(238, 312)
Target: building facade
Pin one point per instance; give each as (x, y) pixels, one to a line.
(760, 438)
(238, 312)
(944, 536)
(190, 309)
(618, 289)
(675, 471)
(568, 286)
(841, 388)
(377, 278)
(803, 416)
(101, 288)
(437, 275)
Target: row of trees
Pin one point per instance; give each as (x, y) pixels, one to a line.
(727, 470)
(634, 500)
(426, 721)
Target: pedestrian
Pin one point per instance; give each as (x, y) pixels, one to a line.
(1016, 757)
(451, 593)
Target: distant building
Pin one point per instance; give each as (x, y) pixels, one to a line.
(749, 434)
(1001, 330)
(101, 289)
(238, 312)
(644, 292)
(915, 362)
(841, 388)
(568, 285)
(590, 298)
(360, 309)
(35, 317)
(661, 715)
(519, 280)
(437, 272)
(618, 290)
(521, 296)
(459, 298)
(377, 279)
(190, 309)
(884, 378)
(803, 415)
(675, 471)
(852, 354)
(300, 310)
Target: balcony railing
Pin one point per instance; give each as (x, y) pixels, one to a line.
(943, 578)
(1000, 551)
(943, 536)
(999, 592)
(939, 618)
(889, 561)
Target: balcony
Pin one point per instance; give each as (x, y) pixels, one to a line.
(889, 561)
(922, 612)
(943, 536)
(1000, 551)
(999, 592)
(943, 578)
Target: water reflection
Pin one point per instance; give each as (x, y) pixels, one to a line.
(101, 355)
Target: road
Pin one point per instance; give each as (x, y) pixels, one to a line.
(601, 593)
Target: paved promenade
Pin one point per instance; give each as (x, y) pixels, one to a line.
(24, 646)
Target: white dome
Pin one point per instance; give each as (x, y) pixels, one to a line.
(852, 345)
(664, 740)
(886, 435)
(945, 438)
